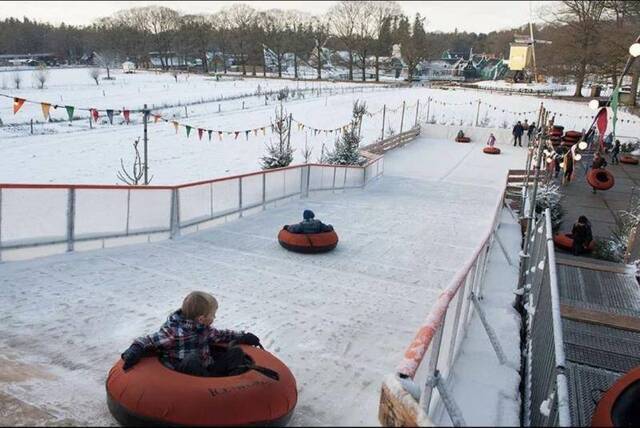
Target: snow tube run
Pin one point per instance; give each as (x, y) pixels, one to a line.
(308, 242)
(152, 394)
(618, 407)
(565, 241)
(463, 140)
(601, 179)
(628, 160)
(491, 150)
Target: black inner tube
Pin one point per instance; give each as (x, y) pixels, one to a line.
(625, 412)
(602, 177)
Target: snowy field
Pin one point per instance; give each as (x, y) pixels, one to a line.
(77, 154)
(341, 320)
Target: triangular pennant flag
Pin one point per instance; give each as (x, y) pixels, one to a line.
(45, 110)
(70, 110)
(156, 117)
(220, 135)
(95, 114)
(246, 135)
(17, 104)
(200, 132)
(126, 115)
(175, 125)
(264, 131)
(255, 132)
(209, 132)
(110, 116)
(188, 128)
(237, 133)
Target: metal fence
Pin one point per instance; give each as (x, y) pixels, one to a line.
(408, 396)
(546, 401)
(37, 220)
(398, 140)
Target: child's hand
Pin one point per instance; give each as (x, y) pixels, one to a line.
(131, 356)
(250, 339)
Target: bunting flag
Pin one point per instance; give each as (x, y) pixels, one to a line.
(601, 124)
(125, 113)
(95, 114)
(110, 116)
(70, 110)
(237, 133)
(209, 132)
(246, 135)
(45, 110)
(220, 135)
(17, 104)
(188, 128)
(255, 132)
(200, 132)
(175, 125)
(264, 131)
(156, 117)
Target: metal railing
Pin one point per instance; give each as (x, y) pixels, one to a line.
(436, 346)
(55, 218)
(546, 401)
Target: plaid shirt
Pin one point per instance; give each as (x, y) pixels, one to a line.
(178, 337)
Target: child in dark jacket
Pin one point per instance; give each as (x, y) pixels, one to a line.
(184, 341)
(309, 224)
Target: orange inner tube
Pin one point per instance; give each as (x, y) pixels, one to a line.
(308, 242)
(600, 179)
(619, 405)
(150, 393)
(491, 150)
(463, 140)
(628, 159)
(573, 134)
(565, 241)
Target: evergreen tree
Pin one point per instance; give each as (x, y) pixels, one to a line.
(279, 154)
(346, 150)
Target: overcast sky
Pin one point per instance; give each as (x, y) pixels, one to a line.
(476, 16)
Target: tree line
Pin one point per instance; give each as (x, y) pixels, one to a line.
(589, 38)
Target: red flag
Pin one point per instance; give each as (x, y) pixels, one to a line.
(156, 117)
(200, 131)
(95, 114)
(601, 124)
(17, 104)
(125, 113)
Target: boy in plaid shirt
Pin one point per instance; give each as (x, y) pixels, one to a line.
(184, 340)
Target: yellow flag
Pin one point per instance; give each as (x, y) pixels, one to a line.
(45, 110)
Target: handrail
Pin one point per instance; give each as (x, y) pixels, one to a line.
(419, 345)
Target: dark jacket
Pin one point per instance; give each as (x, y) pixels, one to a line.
(518, 130)
(309, 226)
(582, 235)
(616, 149)
(531, 129)
(179, 338)
(599, 163)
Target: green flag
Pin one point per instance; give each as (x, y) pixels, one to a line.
(188, 130)
(70, 110)
(614, 107)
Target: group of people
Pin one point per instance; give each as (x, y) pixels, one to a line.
(520, 129)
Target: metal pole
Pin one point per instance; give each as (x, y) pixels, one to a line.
(186, 113)
(402, 118)
(32, 125)
(428, 106)
(145, 114)
(417, 110)
(529, 158)
(384, 113)
(478, 112)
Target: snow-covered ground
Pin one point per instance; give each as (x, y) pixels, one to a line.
(341, 320)
(78, 154)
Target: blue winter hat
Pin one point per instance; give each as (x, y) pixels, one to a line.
(308, 214)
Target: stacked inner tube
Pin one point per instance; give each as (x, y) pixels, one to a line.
(308, 243)
(491, 150)
(152, 394)
(565, 242)
(618, 407)
(555, 136)
(571, 137)
(463, 140)
(600, 179)
(628, 159)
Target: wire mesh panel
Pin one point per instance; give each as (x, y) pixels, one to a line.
(292, 184)
(225, 196)
(355, 177)
(33, 215)
(275, 185)
(321, 178)
(149, 210)
(100, 212)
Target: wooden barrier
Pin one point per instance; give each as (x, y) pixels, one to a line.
(393, 142)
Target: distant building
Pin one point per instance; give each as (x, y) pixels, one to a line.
(128, 67)
(36, 59)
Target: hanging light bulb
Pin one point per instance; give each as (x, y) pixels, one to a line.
(578, 156)
(594, 104)
(561, 164)
(549, 160)
(634, 50)
(582, 145)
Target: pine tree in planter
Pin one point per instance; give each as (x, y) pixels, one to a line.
(346, 150)
(279, 154)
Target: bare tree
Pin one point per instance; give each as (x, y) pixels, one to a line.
(95, 74)
(106, 59)
(135, 173)
(41, 75)
(17, 79)
(382, 14)
(319, 31)
(364, 33)
(344, 18)
(242, 17)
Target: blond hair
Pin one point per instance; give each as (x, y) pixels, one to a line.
(198, 303)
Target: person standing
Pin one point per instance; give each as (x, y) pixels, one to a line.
(582, 235)
(525, 127)
(614, 153)
(492, 140)
(568, 167)
(531, 130)
(517, 132)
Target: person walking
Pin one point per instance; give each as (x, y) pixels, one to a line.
(615, 152)
(568, 167)
(531, 130)
(517, 132)
(525, 128)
